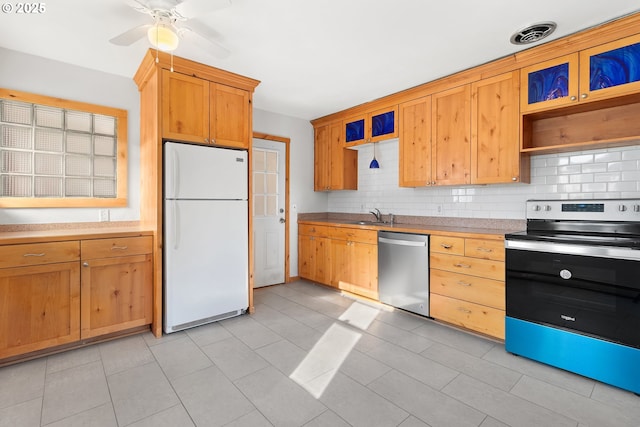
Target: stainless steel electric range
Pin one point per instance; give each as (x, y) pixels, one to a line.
(573, 288)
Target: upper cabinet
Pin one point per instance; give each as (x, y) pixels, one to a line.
(373, 126)
(549, 84)
(451, 136)
(468, 134)
(605, 71)
(197, 110)
(415, 143)
(495, 154)
(335, 167)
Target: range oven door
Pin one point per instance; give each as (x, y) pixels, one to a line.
(592, 295)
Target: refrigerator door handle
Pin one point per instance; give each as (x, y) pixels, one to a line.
(176, 221)
(175, 165)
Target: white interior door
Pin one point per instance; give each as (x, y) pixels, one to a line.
(269, 171)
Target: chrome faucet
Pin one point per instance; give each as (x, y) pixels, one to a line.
(376, 212)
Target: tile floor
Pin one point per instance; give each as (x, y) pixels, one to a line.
(308, 357)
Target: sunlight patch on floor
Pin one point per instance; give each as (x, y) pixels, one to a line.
(320, 365)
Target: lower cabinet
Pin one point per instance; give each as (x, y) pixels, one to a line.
(467, 283)
(313, 253)
(47, 299)
(354, 267)
(39, 297)
(344, 258)
(117, 279)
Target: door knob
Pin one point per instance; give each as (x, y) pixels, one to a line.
(282, 220)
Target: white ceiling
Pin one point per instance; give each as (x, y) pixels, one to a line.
(313, 58)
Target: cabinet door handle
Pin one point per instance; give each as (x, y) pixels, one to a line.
(206, 140)
(213, 140)
(584, 96)
(40, 254)
(446, 246)
(462, 283)
(461, 265)
(480, 249)
(85, 264)
(119, 248)
(464, 310)
(573, 98)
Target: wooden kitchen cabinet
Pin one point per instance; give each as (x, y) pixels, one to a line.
(194, 103)
(335, 167)
(39, 296)
(372, 126)
(197, 110)
(117, 285)
(415, 143)
(605, 71)
(435, 138)
(467, 283)
(495, 131)
(451, 136)
(314, 253)
(341, 257)
(354, 261)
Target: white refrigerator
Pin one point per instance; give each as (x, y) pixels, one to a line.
(206, 242)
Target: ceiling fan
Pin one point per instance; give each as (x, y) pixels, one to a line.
(170, 25)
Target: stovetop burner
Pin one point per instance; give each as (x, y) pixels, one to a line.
(602, 222)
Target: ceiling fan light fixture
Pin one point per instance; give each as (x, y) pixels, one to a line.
(163, 38)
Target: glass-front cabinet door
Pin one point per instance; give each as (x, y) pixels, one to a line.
(373, 126)
(611, 69)
(354, 129)
(605, 71)
(549, 84)
(383, 124)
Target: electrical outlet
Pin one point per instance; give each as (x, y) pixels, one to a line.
(104, 215)
(439, 209)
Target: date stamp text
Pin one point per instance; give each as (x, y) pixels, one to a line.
(23, 8)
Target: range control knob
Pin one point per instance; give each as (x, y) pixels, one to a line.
(622, 208)
(547, 208)
(636, 208)
(536, 207)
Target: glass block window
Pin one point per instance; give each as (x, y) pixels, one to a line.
(56, 152)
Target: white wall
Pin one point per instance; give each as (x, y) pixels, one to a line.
(302, 198)
(606, 173)
(28, 73)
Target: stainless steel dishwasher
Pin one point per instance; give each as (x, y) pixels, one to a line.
(403, 271)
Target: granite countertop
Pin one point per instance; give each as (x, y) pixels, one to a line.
(416, 224)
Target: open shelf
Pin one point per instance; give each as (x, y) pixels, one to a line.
(598, 124)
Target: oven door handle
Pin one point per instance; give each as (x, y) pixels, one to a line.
(574, 249)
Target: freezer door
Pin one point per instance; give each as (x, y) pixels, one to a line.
(201, 172)
(206, 267)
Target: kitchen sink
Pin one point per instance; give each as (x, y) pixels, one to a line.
(365, 223)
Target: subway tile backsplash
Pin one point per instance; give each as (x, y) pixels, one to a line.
(602, 173)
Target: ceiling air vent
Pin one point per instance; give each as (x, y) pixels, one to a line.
(533, 33)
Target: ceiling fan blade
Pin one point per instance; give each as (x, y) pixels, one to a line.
(194, 8)
(131, 36)
(204, 42)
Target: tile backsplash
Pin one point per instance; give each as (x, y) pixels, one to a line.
(602, 173)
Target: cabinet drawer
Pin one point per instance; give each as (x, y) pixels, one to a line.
(467, 265)
(480, 318)
(39, 253)
(486, 249)
(314, 230)
(355, 235)
(121, 246)
(447, 245)
(468, 288)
